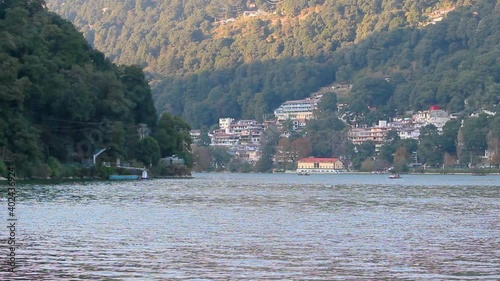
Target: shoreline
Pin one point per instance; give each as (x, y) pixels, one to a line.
(64, 180)
(4, 181)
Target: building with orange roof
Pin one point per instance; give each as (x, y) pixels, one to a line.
(320, 165)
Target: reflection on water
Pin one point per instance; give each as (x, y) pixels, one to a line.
(261, 227)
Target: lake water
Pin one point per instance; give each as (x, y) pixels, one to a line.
(260, 227)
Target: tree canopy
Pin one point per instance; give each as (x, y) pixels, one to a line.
(61, 100)
(202, 69)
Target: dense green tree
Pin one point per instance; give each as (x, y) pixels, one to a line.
(430, 148)
(327, 136)
(363, 152)
(173, 136)
(401, 159)
(202, 158)
(204, 137)
(328, 105)
(390, 145)
(373, 92)
(475, 131)
(450, 134)
(220, 157)
(269, 141)
(493, 138)
(60, 100)
(148, 151)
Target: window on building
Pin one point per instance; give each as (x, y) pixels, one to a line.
(316, 165)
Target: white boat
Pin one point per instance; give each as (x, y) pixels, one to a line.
(395, 176)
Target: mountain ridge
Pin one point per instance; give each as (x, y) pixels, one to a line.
(202, 74)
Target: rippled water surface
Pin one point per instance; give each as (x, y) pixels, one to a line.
(260, 227)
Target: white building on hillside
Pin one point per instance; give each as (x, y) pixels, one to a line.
(225, 122)
(435, 116)
(297, 109)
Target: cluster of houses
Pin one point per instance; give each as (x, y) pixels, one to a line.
(298, 112)
(251, 12)
(407, 128)
(438, 15)
(241, 137)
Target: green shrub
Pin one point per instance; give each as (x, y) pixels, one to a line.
(40, 171)
(56, 168)
(173, 170)
(105, 172)
(245, 168)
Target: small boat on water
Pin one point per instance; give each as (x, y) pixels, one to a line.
(124, 177)
(395, 176)
(303, 174)
(144, 176)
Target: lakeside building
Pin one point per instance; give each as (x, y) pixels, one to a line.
(320, 165)
(248, 153)
(241, 132)
(407, 128)
(242, 137)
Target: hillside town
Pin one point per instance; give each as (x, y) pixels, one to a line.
(243, 138)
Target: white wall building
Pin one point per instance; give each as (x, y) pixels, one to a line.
(434, 116)
(225, 122)
(296, 109)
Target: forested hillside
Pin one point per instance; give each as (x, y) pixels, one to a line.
(179, 37)
(61, 100)
(207, 60)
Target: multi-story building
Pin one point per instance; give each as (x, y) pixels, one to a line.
(250, 136)
(297, 109)
(242, 137)
(195, 136)
(225, 139)
(359, 135)
(225, 122)
(232, 133)
(409, 133)
(376, 134)
(244, 125)
(435, 115)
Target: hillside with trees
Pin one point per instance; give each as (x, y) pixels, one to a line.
(61, 100)
(181, 37)
(206, 60)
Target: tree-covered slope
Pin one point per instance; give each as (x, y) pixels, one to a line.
(59, 98)
(179, 37)
(454, 64)
(202, 70)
